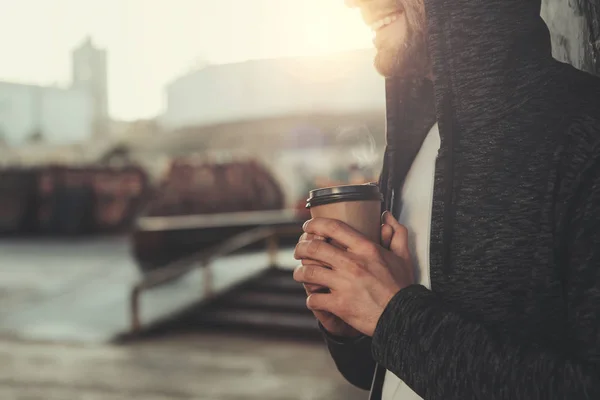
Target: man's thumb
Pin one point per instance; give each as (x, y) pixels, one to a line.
(386, 236)
(399, 242)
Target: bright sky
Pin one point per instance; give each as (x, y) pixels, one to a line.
(150, 42)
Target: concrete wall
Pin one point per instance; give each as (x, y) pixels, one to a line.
(61, 115)
(575, 29)
(276, 87)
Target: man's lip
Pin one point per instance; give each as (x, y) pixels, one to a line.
(384, 20)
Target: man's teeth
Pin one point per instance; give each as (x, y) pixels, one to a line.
(377, 25)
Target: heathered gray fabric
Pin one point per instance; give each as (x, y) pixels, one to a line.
(515, 246)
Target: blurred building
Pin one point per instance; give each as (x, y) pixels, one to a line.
(90, 75)
(58, 115)
(30, 114)
(273, 88)
(304, 115)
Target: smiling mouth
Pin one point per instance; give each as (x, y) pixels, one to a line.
(385, 21)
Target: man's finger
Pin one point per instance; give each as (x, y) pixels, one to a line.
(310, 236)
(337, 231)
(315, 275)
(310, 288)
(321, 252)
(399, 241)
(306, 261)
(320, 302)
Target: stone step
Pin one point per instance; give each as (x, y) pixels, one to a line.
(274, 322)
(275, 282)
(268, 301)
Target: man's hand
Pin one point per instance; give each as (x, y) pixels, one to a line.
(362, 279)
(333, 324)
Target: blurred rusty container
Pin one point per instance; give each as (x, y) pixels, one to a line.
(66, 201)
(190, 189)
(118, 196)
(200, 205)
(47, 182)
(267, 191)
(18, 199)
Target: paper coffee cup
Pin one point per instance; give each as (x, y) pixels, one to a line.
(359, 206)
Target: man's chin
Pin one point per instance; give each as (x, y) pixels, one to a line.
(384, 70)
(387, 65)
(390, 66)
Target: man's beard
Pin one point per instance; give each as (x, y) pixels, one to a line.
(411, 58)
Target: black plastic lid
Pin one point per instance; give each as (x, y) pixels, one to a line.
(336, 194)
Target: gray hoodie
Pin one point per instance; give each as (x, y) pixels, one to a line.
(515, 245)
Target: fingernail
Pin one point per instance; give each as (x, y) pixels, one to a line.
(305, 225)
(383, 216)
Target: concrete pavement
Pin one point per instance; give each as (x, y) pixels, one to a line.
(198, 367)
(61, 302)
(78, 290)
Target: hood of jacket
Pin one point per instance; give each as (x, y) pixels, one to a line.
(489, 58)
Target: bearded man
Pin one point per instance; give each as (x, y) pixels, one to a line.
(487, 282)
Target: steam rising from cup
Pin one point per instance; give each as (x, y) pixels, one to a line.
(361, 142)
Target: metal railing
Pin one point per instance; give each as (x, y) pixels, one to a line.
(202, 260)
